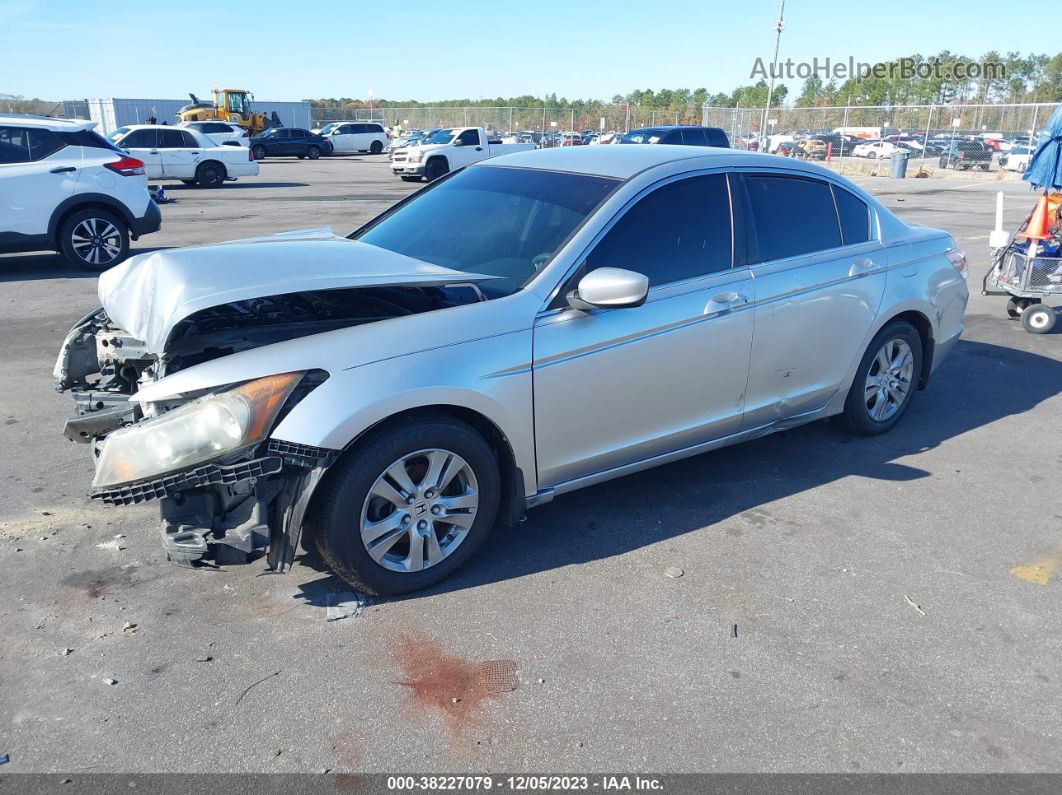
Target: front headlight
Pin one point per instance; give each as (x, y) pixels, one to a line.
(415, 156)
(195, 432)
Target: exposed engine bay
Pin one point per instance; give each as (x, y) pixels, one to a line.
(225, 507)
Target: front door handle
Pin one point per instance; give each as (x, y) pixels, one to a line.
(724, 301)
(862, 267)
(62, 170)
(479, 148)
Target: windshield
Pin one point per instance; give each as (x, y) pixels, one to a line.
(114, 135)
(441, 136)
(504, 222)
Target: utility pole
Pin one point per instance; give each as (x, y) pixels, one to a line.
(777, 41)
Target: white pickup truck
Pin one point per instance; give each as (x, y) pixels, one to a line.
(448, 150)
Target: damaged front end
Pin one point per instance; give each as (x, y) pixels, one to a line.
(226, 489)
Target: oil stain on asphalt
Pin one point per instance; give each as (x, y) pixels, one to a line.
(451, 686)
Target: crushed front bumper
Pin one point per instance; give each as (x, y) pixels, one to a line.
(226, 510)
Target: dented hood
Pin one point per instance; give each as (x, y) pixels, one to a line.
(149, 294)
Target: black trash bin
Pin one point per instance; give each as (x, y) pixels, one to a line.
(898, 168)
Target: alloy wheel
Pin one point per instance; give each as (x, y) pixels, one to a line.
(97, 241)
(419, 510)
(889, 380)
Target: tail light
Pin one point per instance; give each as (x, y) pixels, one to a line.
(245, 134)
(127, 167)
(388, 135)
(957, 257)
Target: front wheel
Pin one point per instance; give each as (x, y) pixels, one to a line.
(313, 152)
(408, 507)
(258, 152)
(436, 168)
(885, 381)
(94, 239)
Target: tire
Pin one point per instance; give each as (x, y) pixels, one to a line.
(1038, 319)
(210, 174)
(436, 168)
(258, 152)
(94, 239)
(1014, 308)
(313, 152)
(986, 166)
(868, 413)
(375, 148)
(411, 179)
(350, 500)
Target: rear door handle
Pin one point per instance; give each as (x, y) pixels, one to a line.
(62, 170)
(724, 301)
(862, 267)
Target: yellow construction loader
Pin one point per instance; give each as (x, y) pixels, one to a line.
(231, 105)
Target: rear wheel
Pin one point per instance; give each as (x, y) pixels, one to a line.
(210, 174)
(376, 147)
(258, 152)
(94, 239)
(1038, 319)
(409, 507)
(313, 152)
(885, 381)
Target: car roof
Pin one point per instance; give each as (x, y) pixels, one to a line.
(46, 122)
(623, 162)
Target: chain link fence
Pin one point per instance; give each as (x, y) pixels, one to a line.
(608, 118)
(926, 130)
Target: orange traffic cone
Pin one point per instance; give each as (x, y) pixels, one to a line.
(1039, 221)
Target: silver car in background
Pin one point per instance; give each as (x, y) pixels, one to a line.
(521, 328)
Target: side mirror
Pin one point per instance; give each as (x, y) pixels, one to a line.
(609, 288)
(458, 142)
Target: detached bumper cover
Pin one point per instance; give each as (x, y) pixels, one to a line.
(205, 475)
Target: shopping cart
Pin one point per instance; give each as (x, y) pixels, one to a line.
(1028, 281)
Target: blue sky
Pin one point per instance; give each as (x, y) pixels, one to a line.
(409, 49)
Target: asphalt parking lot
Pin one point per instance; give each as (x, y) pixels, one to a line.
(879, 624)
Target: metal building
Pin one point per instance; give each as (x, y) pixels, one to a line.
(112, 113)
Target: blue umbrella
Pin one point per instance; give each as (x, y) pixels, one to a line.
(1045, 166)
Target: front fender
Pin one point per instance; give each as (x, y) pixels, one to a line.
(491, 377)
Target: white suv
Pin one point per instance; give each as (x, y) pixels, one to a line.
(220, 132)
(64, 188)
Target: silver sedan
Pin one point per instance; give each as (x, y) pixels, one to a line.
(520, 329)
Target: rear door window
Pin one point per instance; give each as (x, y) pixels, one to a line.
(171, 139)
(679, 231)
(693, 136)
(791, 216)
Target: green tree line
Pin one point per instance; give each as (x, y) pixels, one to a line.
(1023, 78)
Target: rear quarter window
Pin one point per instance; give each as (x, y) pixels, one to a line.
(854, 215)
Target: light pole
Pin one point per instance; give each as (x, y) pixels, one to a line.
(777, 41)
